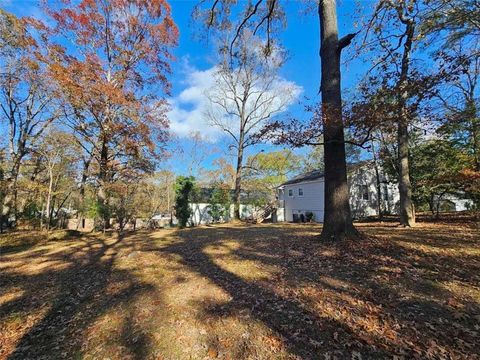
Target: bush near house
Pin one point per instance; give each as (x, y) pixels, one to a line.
(219, 208)
(184, 190)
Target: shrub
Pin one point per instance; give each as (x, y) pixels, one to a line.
(310, 216)
(184, 189)
(219, 207)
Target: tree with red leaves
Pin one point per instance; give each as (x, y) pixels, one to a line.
(111, 63)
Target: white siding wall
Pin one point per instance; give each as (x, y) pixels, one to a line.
(361, 208)
(279, 215)
(313, 196)
(393, 203)
(312, 200)
(200, 213)
(462, 205)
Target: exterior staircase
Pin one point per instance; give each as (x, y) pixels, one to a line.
(264, 212)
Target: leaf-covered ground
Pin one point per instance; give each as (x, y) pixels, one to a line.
(267, 291)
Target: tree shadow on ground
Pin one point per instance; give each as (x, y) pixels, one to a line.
(74, 285)
(300, 328)
(380, 299)
(22, 240)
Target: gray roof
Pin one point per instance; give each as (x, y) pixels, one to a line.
(318, 174)
(309, 176)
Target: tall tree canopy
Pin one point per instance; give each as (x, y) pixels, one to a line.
(247, 93)
(27, 101)
(266, 17)
(112, 62)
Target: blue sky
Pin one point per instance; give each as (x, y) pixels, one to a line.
(300, 38)
(194, 60)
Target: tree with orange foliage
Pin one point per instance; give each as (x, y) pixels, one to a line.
(112, 62)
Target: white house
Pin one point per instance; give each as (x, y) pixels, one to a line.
(368, 193)
(452, 202)
(250, 205)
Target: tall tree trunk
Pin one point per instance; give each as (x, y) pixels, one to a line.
(103, 177)
(49, 199)
(9, 203)
(238, 181)
(41, 215)
(2, 195)
(407, 209)
(475, 136)
(81, 214)
(337, 219)
(475, 130)
(53, 202)
(431, 203)
(378, 184)
(86, 165)
(8, 200)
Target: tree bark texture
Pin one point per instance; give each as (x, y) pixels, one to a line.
(338, 223)
(238, 179)
(407, 208)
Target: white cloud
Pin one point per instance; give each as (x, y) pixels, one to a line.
(189, 107)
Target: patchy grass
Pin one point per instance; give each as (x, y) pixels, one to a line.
(243, 292)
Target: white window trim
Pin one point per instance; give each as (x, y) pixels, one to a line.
(290, 192)
(299, 192)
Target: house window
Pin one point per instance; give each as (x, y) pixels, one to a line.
(364, 192)
(290, 192)
(300, 192)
